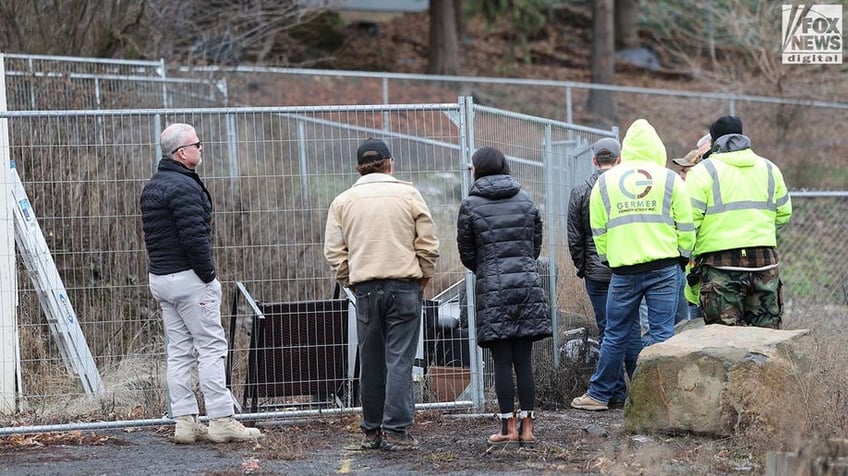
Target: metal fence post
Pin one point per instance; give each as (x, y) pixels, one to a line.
(161, 71)
(157, 128)
(232, 154)
(304, 163)
(466, 145)
(550, 205)
(9, 357)
(386, 118)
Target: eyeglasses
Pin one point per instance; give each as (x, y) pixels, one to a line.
(196, 144)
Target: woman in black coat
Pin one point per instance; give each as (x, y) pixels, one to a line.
(499, 235)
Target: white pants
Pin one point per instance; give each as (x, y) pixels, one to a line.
(191, 311)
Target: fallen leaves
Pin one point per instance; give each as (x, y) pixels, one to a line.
(74, 438)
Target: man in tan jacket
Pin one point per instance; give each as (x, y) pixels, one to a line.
(381, 242)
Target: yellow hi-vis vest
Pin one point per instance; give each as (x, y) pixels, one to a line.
(739, 200)
(640, 212)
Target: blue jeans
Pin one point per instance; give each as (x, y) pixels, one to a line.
(597, 291)
(659, 288)
(598, 294)
(388, 323)
(644, 325)
(682, 313)
(694, 311)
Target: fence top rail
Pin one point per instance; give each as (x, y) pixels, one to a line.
(381, 133)
(116, 77)
(237, 110)
(515, 81)
(542, 120)
(77, 59)
(445, 78)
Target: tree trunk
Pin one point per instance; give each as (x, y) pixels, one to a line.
(459, 17)
(600, 103)
(444, 42)
(627, 24)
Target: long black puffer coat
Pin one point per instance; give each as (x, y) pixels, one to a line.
(499, 235)
(176, 216)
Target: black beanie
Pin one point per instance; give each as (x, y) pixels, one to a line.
(489, 161)
(725, 125)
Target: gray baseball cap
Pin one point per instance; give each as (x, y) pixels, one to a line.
(606, 148)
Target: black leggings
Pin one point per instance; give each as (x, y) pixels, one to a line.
(515, 353)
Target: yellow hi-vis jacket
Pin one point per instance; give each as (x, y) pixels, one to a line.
(739, 199)
(639, 210)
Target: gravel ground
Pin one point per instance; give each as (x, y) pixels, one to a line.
(570, 442)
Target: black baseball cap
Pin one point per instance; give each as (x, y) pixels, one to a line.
(372, 150)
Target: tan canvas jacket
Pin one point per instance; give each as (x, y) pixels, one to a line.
(380, 228)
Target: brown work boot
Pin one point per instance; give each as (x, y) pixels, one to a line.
(398, 441)
(525, 432)
(372, 440)
(188, 430)
(508, 434)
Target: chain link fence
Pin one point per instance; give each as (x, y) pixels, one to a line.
(793, 133)
(35, 82)
(803, 137)
(272, 172)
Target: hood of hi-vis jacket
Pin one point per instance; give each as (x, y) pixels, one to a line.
(739, 199)
(642, 143)
(639, 210)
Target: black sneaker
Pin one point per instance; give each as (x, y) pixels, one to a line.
(372, 440)
(399, 441)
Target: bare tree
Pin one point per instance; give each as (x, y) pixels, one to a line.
(207, 31)
(73, 27)
(444, 40)
(600, 102)
(459, 15)
(227, 31)
(627, 23)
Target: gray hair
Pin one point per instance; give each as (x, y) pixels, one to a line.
(173, 136)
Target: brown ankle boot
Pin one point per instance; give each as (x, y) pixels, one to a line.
(526, 422)
(508, 433)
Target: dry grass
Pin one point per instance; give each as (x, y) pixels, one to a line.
(814, 405)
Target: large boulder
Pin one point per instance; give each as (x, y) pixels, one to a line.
(717, 380)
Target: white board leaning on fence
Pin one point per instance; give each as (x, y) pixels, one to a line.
(52, 296)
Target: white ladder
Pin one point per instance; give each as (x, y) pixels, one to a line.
(51, 291)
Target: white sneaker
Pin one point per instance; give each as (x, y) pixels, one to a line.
(188, 430)
(222, 430)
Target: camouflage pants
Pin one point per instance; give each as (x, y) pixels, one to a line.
(741, 298)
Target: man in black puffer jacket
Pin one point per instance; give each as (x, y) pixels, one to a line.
(176, 215)
(596, 275)
(499, 236)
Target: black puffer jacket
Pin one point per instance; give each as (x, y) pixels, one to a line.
(580, 242)
(499, 235)
(176, 215)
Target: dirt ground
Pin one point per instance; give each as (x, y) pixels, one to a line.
(570, 442)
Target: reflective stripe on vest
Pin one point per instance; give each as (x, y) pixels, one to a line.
(664, 217)
(718, 202)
